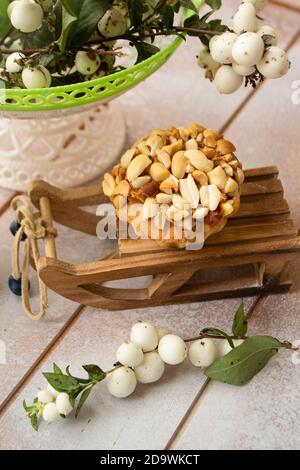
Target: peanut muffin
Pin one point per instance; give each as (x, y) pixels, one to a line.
(174, 178)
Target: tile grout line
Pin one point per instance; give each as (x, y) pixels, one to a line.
(281, 3)
(196, 403)
(40, 359)
(243, 104)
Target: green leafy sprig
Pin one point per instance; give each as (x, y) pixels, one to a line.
(237, 367)
(71, 26)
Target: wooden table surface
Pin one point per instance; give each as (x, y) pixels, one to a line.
(183, 410)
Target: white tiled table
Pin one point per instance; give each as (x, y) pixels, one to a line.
(183, 410)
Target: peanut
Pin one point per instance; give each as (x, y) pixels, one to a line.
(191, 144)
(199, 160)
(200, 177)
(108, 184)
(227, 208)
(231, 186)
(163, 157)
(155, 142)
(122, 188)
(179, 202)
(158, 172)
(210, 141)
(224, 146)
(200, 213)
(127, 157)
(179, 164)
(218, 177)
(150, 208)
(170, 183)
(150, 189)
(227, 168)
(163, 198)
(137, 166)
(210, 196)
(189, 191)
(140, 181)
(173, 148)
(240, 175)
(209, 152)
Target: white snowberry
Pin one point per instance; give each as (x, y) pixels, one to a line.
(258, 4)
(11, 6)
(151, 369)
(52, 390)
(121, 382)
(27, 16)
(248, 49)
(145, 335)
(275, 63)
(12, 65)
(50, 413)
(245, 19)
(130, 354)
(243, 69)
(113, 23)
(162, 331)
(270, 32)
(128, 56)
(221, 48)
(86, 64)
(45, 396)
(227, 81)
(63, 404)
(203, 352)
(205, 61)
(225, 348)
(37, 77)
(172, 349)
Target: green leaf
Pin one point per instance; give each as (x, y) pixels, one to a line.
(241, 364)
(56, 369)
(145, 50)
(189, 4)
(61, 382)
(136, 10)
(214, 4)
(34, 421)
(67, 22)
(240, 326)
(218, 332)
(83, 397)
(5, 23)
(94, 371)
(72, 6)
(88, 16)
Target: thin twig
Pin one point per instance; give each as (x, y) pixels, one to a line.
(284, 344)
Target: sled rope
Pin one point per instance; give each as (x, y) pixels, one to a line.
(35, 228)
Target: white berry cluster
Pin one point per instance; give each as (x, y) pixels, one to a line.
(53, 404)
(246, 53)
(27, 16)
(143, 358)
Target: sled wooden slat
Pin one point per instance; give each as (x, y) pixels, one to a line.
(249, 256)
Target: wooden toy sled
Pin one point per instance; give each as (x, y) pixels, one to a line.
(247, 257)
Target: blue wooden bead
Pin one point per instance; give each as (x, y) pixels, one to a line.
(15, 285)
(14, 227)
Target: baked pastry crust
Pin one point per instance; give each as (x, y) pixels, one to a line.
(171, 180)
